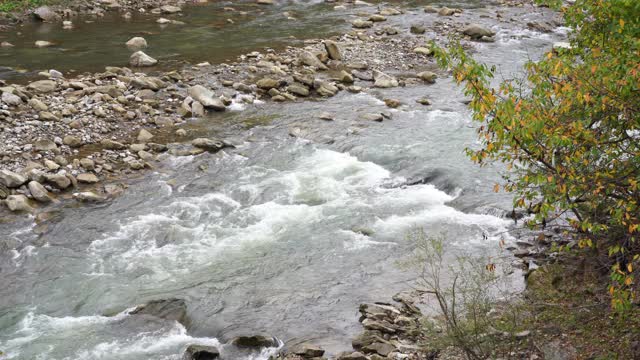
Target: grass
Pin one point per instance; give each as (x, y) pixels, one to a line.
(7, 6)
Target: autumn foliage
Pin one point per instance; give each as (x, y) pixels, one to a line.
(570, 134)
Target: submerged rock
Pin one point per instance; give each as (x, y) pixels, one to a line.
(211, 145)
(18, 203)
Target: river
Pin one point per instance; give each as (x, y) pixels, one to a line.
(283, 235)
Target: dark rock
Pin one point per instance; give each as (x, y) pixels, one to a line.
(169, 309)
(255, 341)
(201, 352)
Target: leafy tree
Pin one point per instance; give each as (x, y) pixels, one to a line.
(571, 140)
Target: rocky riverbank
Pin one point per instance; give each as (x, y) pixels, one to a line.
(59, 134)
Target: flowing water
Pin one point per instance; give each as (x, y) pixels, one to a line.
(282, 235)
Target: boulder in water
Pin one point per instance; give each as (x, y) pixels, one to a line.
(141, 59)
(211, 145)
(383, 80)
(39, 192)
(201, 352)
(206, 97)
(168, 309)
(255, 341)
(307, 350)
(18, 203)
(476, 31)
(137, 43)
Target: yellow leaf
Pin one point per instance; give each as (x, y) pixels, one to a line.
(630, 268)
(496, 187)
(621, 23)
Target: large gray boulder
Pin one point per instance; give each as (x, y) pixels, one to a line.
(38, 192)
(168, 309)
(11, 179)
(332, 50)
(42, 86)
(382, 80)
(18, 203)
(137, 43)
(44, 13)
(206, 97)
(11, 99)
(309, 59)
(140, 59)
(476, 31)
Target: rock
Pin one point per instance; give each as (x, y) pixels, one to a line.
(377, 18)
(140, 59)
(268, 83)
(44, 13)
(372, 117)
(170, 9)
(11, 99)
(89, 196)
(206, 97)
(38, 105)
(558, 350)
(201, 352)
(137, 43)
(352, 356)
(6, 44)
(87, 178)
(309, 59)
(345, 77)
(112, 144)
(38, 192)
(211, 145)
(333, 51)
(422, 51)
(307, 350)
(379, 325)
(144, 136)
(168, 309)
(42, 86)
(298, 89)
(382, 349)
(43, 43)
(18, 203)
(163, 21)
(60, 181)
(428, 77)
(445, 11)
(423, 101)
(197, 109)
(51, 165)
(67, 25)
(476, 31)
(72, 141)
(417, 29)
(255, 341)
(325, 88)
(11, 179)
(55, 74)
(45, 145)
(361, 24)
(47, 116)
(4, 191)
(382, 80)
(430, 9)
(265, 2)
(392, 103)
(87, 164)
(326, 116)
(390, 11)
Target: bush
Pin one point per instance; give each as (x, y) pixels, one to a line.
(570, 135)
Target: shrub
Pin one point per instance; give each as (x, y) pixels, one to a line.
(570, 134)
